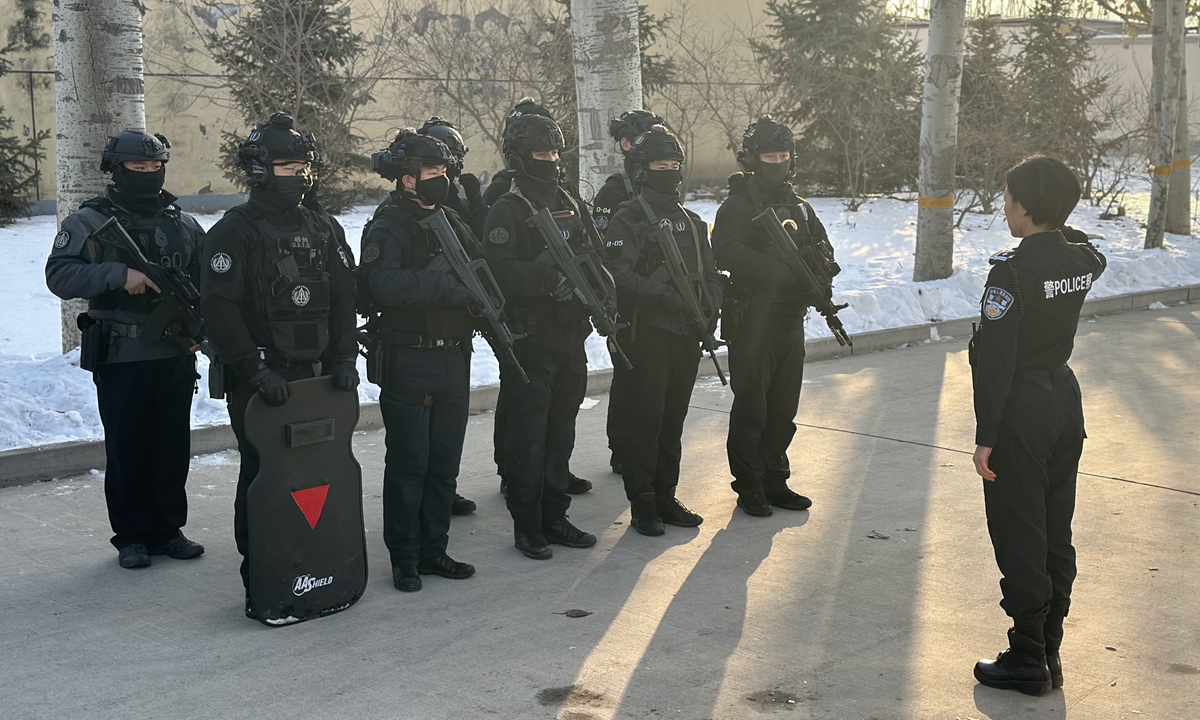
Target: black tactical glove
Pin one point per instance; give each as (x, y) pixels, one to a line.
(472, 189)
(344, 374)
(272, 385)
(457, 295)
(559, 287)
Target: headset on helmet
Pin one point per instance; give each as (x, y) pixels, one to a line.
(277, 139)
(445, 131)
(765, 136)
(657, 143)
(133, 145)
(529, 134)
(408, 153)
(632, 123)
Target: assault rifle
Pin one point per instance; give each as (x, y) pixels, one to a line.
(808, 264)
(477, 277)
(584, 275)
(694, 291)
(177, 297)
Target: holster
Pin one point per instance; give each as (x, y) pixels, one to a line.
(218, 379)
(731, 318)
(376, 354)
(93, 342)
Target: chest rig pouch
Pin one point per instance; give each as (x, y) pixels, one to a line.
(294, 287)
(162, 240)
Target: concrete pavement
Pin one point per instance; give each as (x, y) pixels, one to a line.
(873, 605)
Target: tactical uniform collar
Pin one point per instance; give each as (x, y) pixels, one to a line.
(543, 196)
(142, 207)
(1053, 237)
(408, 202)
(659, 202)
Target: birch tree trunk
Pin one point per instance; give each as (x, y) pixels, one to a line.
(98, 92)
(1164, 125)
(608, 81)
(939, 141)
(1179, 197)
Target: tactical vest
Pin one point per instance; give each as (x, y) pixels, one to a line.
(163, 240)
(292, 289)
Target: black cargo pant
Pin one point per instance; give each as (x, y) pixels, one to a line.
(146, 409)
(766, 369)
(1032, 500)
(649, 433)
(425, 405)
(619, 405)
(540, 434)
(237, 396)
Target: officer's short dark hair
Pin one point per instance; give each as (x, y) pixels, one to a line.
(1046, 188)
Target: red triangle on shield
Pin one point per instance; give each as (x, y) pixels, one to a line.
(311, 502)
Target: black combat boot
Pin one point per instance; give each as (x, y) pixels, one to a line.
(405, 578)
(676, 513)
(577, 485)
(446, 567)
(533, 545)
(132, 557)
(178, 547)
(1053, 629)
(786, 498)
(1021, 667)
(562, 532)
(645, 515)
(461, 506)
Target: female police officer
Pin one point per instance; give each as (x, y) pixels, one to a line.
(1029, 417)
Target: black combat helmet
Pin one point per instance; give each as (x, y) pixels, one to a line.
(133, 145)
(528, 134)
(408, 153)
(277, 139)
(658, 143)
(766, 136)
(632, 123)
(525, 106)
(445, 131)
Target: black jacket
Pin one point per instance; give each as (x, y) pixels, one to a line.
(647, 295)
(412, 297)
(615, 190)
(525, 271)
(757, 272)
(241, 283)
(80, 268)
(1028, 317)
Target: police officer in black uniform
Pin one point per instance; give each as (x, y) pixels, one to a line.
(763, 318)
(1029, 417)
(501, 184)
(617, 189)
(144, 384)
(662, 341)
(255, 262)
(424, 328)
(465, 197)
(540, 433)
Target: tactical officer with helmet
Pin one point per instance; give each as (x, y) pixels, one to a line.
(763, 316)
(663, 336)
(1029, 417)
(618, 188)
(540, 432)
(277, 291)
(144, 384)
(465, 197)
(420, 321)
(501, 184)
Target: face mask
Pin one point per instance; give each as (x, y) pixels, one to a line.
(664, 182)
(773, 173)
(542, 170)
(139, 184)
(434, 190)
(284, 193)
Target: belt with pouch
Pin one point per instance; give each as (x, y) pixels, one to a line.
(413, 340)
(1044, 378)
(126, 330)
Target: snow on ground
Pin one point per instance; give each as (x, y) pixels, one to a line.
(45, 398)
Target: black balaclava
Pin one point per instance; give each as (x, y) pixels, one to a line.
(434, 190)
(772, 174)
(542, 171)
(282, 194)
(140, 185)
(664, 182)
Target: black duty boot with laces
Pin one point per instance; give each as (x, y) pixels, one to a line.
(178, 547)
(577, 485)
(784, 497)
(405, 578)
(446, 567)
(644, 512)
(673, 512)
(1022, 667)
(462, 506)
(562, 532)
(533, 546)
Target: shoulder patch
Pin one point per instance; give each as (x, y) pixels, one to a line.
(371, 253)
(1002, 256)
(601, 222)
(498, 235)
(61, 240)
(996, 302)
(221, 263)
